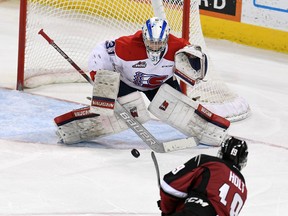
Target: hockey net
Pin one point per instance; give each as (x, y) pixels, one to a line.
(78, 25)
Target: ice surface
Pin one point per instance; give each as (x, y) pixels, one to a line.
(38, 176)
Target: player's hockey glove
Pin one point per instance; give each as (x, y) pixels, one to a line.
(159, 206)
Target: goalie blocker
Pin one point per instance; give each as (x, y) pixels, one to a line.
(188, 116)
(105, 91)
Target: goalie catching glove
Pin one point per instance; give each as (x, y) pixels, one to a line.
(190, 64)
(188, 116)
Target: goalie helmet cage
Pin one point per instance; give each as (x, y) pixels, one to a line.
(77, 26)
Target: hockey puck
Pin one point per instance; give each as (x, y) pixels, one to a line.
(135, 153)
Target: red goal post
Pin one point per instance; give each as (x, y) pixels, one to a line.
(78, 25)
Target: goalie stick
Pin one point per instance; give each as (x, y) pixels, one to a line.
(138, 128)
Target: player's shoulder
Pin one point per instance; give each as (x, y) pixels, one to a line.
(175, 44)
(208, 160)
(131, 39)
(176, 41)
(130, 47)
(204, 158)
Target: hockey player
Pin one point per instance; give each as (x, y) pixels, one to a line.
(207, 185)
(144, 62)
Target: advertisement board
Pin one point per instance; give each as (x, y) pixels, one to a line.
(260, 23)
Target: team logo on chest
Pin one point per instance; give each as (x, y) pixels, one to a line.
(148, 80)
(140, 64)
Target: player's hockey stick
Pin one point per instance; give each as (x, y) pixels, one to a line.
(153, 156)
(137, 127)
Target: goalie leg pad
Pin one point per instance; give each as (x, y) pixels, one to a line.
(105, 91)
(82, 125)
(188, 116)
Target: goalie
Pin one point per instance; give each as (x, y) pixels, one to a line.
(144, 62)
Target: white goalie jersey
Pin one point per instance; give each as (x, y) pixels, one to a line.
(135, 68)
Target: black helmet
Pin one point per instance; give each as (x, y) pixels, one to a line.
(235, 151)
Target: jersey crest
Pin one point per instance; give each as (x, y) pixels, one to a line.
(149, 80)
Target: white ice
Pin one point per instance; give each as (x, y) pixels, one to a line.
(40, 177)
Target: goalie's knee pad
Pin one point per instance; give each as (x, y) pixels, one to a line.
(188, 116)
(82, 125)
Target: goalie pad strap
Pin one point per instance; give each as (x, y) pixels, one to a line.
(211, 117)
(101, 102)
(77, 114)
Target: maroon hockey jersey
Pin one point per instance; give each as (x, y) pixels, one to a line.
(218, 180)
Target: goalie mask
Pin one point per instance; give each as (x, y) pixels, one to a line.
(155, 34)
(191, 64)
(234, 151)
